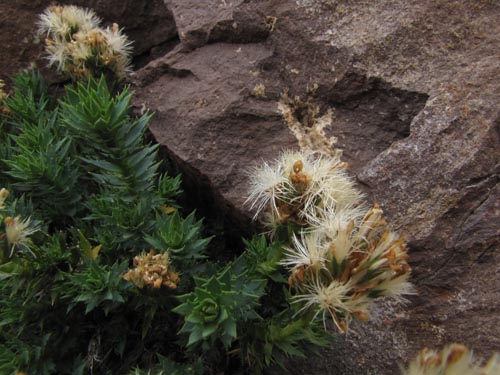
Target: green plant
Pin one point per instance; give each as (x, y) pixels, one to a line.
(85, 196)
(104, 274)
(217, 305)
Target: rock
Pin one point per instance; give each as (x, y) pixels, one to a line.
(216, 21)
(212, 125)
(415, 91)
(147, 23)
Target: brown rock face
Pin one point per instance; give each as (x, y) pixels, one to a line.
(415, 94)
(415, 91)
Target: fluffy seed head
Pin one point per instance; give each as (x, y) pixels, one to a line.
(307, 251)
(299, 186)
(76, 45)
(64, 21)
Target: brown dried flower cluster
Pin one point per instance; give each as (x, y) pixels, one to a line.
(153, 270)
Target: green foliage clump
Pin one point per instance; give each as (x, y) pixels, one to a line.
(100, 270)
(86, 194)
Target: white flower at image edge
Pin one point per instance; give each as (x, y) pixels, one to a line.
(4, 193)
(18, 232)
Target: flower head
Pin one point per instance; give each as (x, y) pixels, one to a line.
(119, 50)
(153, 270)
(299, 186)
(357, 266)
(76, 45)
(62, 22)
(306, 252)
(454, 359)
(345, 256)
(18, 233)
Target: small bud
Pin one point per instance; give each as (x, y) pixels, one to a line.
(157, 283)
(456, 352)
(297, 166)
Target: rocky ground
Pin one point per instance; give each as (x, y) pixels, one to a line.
(414, 90)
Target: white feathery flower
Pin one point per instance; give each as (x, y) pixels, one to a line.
(346, 257)
(388, 241)
(330, 187)
(57, 53)
(266, 182)
(396, 287)
(371, 222)
(4, 193)
(330, 300)
(330, 220)
(271, 220)
(78, 46)
(341, 246)
(298, 186)
(18, 232)
(119, 48)
(81, 18)
(339, 228)
(117, 41)
(63, 21)
(308, 251)
(78, 49)
(51, 23)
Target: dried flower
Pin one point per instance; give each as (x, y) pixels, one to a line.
(350, 270)
(259, 91)
(18, 233)
(75, 43)
(298, 187)
(454, 359)
(63, 21)
(345, 256)
(153, 270)
(307, 252)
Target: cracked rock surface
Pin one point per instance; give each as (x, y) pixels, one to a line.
(414, 89)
